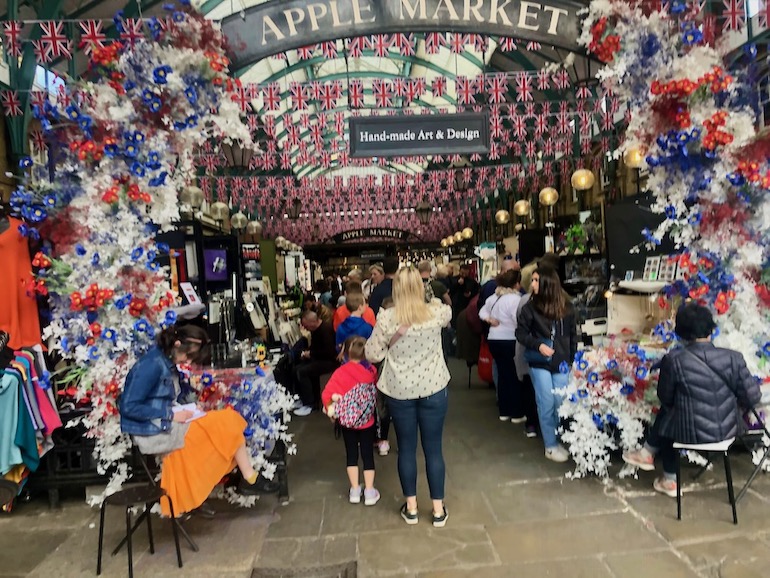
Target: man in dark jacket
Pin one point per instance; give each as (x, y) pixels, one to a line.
(702, 390)
(319, 359)
(385, 288)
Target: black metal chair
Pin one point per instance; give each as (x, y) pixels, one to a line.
(137, 496)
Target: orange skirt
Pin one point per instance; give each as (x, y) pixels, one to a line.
(190, 473)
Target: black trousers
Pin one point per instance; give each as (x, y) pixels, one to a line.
(510, 393)
(663, 445)
(308, 379)
(359, 439)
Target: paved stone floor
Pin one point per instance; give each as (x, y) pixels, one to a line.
(512, 513)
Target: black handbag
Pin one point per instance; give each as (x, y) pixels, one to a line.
(534, 357)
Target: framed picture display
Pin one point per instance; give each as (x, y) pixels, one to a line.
(667, 270)
(629, 276)
(651, 269)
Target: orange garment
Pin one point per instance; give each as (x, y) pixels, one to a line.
(18, 311)
(342, 313)
(190, 473)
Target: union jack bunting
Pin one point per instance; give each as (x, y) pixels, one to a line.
(541, 124)
(270, 128)
(399, 86)
(457, 43)
(91, 35)
(306, 52)
(734, 13)
(356, 47)
(328, 97)
(495, 126)
(242, 98)
(583, 92)
(329, 49)
(11, 103)
(298, 92)
(466, 90)
(38, 98)
(507, 44)
(523, 88)
(383, 93)
(132, 31)
(12, 33)
(356, 93)
(405, 44)
(434, 41)
(585, 146)
(497, 87)
(529, 109)
(533, 46)
(272, 96)
(381, 45)
(519, 125)
(479, 42)
(438, 86)
(253, 122)
(561, 79)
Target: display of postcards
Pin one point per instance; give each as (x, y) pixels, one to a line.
(668, 267)
(651, 269)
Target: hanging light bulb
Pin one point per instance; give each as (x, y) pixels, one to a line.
(467, 233)
(502, 217)
(521, 208)
(582, 180)
(548, 196)
(634, 158)
(444, 243)
(239, 221)
(254, 228)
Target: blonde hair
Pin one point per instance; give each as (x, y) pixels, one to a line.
(409, 297)
(354, 348)
(354, 301)
(442, 271)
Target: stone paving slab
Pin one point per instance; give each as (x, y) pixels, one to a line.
(646, 564)
(713, 556)
(307, 552)
(577, 568)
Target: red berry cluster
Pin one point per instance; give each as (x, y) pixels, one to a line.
(714, 136)
(603, 46)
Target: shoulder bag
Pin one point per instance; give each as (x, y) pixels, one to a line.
(534, 357)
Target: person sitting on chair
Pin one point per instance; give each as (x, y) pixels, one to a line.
(702, 390)
(197, 453)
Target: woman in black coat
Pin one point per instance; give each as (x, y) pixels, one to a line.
(703, 391)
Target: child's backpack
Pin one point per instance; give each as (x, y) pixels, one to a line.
(357, 406)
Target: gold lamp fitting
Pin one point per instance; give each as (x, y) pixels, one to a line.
(467, 233)
(458, 236)
(239, 221)
(634, 158)
(450, 240)
(254, 228)
(521, 207)
(219, 211)
(582, 180)
(548, 196)
(502, 217)
(444, 243)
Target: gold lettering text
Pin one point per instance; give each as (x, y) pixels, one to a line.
(358, 8)
(474, 9)
(267, 23)
(555, 15)
(315, 12)
(495, 11)
(412, 9)
(336, 15)
(525, 15)
(293, 17)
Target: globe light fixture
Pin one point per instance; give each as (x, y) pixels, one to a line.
(450, 240)
(548, 196)
(254, 228)
(521, 208)
(467, 233)
(634, 158)
(219, 211)
(444, 243)
(582, 180)
(192, 196)
(239, 221)
(502, 217)
(458, 236)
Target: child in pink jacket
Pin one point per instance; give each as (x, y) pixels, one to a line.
(349, 397)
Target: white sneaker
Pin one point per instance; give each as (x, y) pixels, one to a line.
(303, 411)
(354, 495)
(371, 497)
(384, 447)
(557, 454)
(504, 418)
(521, 419)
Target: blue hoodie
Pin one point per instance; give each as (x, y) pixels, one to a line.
(350, 327)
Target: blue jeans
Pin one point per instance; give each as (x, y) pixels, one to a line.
(548, 387)
(426, 414)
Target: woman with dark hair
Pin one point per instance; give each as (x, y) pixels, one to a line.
(499, 311)
(197, 453)
(702, 390)
(546, 328)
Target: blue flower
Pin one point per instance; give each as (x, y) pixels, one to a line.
(582, 365)
(141, 325)
(671, 212)
(582, 393)
(25, 162)
(632, 348)
(129, 85)
(137, 169)
(158, 180)
(248, 432)
(163, 247)
(111, 149)
(155, 104)
(191, 94)
(45, 380)
(137, 253)
(627, 389)
(736, 179)
(178, 16)
(641, 372)
(207, 379)
(695, 219)
(109, 334)
(65, 344)
(192, 121)
(170, 317)
(593, 377)
(85, 123)
(153, 266)
(137, 137)
(564, 367)
(93, 353)
(147, 95)
(95, 260)
(123, 302)
(131, 150)
(72, 112)
(160, 73)
(49, 201)
(612, 364)
(246, 386)
(80, 250)
(598, 420)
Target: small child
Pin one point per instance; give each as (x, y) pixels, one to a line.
(356, 378)
(355, 324)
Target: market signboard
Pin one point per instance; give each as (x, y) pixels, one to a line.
(424, 134)
(276, 26)
(371, 233)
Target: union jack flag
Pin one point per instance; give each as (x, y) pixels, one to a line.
(316, 134)
(495, 126)
(529, 109)
(339, 122)
(298, 96)
(12, 32)
(548, 147)
(293, 134)
(91, 35)
(585, 146)
(507, 44)
(306, 52)
(270, 130)
(132, 31)
(241, 96)
(328, 97)
(399, 86)
(519, 125)
(533, 46)
(38, 98)
(541, 124)
(11, 103)
(497, 87)
(383, 93)
(285, 159)
(434, 41)
(561, 79)
(734, 13)
(523, 88)
(329, 49)
(411, 91)
(63, 98)
(381, 44)
(438, 86)
(585, 122)
(457, 43)
(583, 92)
(607, 122)
(764, 10)
(543, 80)
(356, 47)
(356, 93)
(479, 42)
(272, 96)
(531, 150)
(466, 90)
(405, 43)
(563, 123)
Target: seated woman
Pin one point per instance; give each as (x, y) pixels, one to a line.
(702, 390)
(198, 454)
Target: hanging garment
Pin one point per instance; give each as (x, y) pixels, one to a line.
(10, 454)
(18, 310)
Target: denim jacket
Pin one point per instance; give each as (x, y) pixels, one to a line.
(149, 393)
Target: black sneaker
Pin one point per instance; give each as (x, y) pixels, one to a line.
(205, 511)
(410, 518)
(440, 521)
(261, 486)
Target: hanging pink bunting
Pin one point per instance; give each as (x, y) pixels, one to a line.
(561, 79)
(532, 46)
(305, 52)
(383, 93)
(479, 42)
(329, 49)
(299, 100)
(457, 42)
(497, 87)
(12, 32)
(583, 92)
(434, 41)
(271, 95)
(92, 36)
(523, 88)
(356, 93)
(543, 80)
(381, 45)
(465, 89)
(355, 47)
(133, 31)
(328, 97)
(507, 44)
(38, 98)
(405, 43)
(253, 122)
(242, 98)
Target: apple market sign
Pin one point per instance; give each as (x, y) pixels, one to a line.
(423, 134)
(371, 233)
(280, 25)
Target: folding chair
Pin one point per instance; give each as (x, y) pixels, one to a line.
(138, 496)
(761, 433)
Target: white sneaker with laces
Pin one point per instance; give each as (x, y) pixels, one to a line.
(505, 417)
(383, 448)
(371, 497)
(557, 454)
(354, 495)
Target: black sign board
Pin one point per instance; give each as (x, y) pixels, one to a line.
(424, 134)
(371, 233)
(276, 26)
